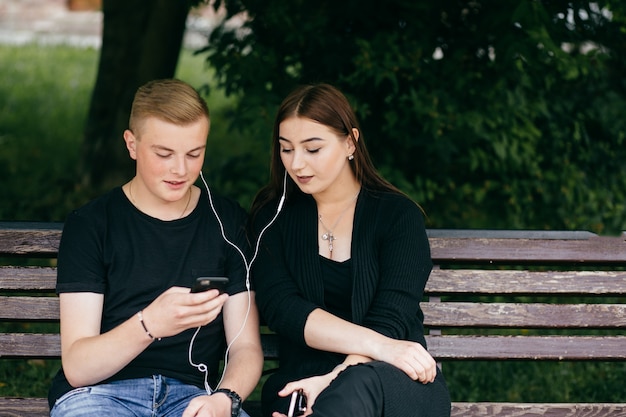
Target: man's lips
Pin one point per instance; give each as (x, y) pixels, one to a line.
(176, 183)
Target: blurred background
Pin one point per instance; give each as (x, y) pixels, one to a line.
(490, 114)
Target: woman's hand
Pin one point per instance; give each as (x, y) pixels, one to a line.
(311, 389)
(410, 357)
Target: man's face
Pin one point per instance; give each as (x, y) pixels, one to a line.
(169, 157)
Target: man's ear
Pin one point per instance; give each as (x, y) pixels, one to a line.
(131, 143)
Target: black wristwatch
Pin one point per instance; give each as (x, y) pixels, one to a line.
(235, 408)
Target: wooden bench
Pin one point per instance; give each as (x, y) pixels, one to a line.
(475, 275)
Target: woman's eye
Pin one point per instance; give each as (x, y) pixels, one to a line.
(313, 150)
(193, 155)
(286, 150)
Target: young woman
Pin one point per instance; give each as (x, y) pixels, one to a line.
(127, 261)
(340, 274)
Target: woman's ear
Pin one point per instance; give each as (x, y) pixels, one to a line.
(131, 143)
(352, 139)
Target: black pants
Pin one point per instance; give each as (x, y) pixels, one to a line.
(376, 390)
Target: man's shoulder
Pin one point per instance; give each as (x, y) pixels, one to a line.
(100, 205)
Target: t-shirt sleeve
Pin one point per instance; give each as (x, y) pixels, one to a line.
(80, 263)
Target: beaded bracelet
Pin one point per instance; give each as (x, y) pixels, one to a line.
(140, 315)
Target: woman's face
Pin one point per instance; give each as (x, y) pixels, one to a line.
(314, 155)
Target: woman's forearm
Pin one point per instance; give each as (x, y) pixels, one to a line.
(325, 331)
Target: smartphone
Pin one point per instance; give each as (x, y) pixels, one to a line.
(209, 283)
(297, 406)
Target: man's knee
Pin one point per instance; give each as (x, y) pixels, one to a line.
(82, 403)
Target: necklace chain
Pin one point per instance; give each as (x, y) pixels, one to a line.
(329, 236)
(130, 191)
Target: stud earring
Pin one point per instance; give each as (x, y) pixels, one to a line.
(350, 157)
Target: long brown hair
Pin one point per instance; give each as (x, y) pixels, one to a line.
(324, 104)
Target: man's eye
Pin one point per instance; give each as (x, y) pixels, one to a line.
(164, 155)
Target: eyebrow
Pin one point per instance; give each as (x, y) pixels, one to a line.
(164, 148)
(302, 141)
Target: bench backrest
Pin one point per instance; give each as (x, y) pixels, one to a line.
(483, 282)
(523, 288)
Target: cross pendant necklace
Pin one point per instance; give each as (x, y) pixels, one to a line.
(329, 236)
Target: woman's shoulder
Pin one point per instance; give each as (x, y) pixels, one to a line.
(390, 200)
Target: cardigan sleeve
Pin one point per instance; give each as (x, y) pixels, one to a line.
(393, 257)
(280, 300)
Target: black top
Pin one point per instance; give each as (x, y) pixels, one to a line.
(110, 247)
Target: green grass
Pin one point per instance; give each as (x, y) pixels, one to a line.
(44, 95)
(44, 99)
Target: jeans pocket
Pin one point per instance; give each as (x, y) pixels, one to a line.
(68, 395)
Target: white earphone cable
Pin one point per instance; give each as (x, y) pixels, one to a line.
(248, 265)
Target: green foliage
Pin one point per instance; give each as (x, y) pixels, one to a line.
(43, 104)
(490, 114)
(44, 97)
(535, 381)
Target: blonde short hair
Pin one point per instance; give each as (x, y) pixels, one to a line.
(169, 100)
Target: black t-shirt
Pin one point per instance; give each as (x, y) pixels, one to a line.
(109, 247)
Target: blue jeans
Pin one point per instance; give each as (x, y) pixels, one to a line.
(156, 396)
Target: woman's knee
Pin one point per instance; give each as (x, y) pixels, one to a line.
(356, 391)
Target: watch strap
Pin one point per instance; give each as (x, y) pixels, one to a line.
(235, 409)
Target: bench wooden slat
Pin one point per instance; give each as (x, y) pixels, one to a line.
(43, 239)
(461, 409)
(503, 282)
(30, 345)
(600, 348)
(28, 278)
(48, 345)
(33, 239)
(29, 308)
(441, 281)
(603, 250)
(23, 407)
(469, 347)
(442, 347)
(37, 407)
(525, 315)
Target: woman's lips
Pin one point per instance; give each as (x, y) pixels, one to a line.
(304, 179)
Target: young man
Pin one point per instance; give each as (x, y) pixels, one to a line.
(135, 340)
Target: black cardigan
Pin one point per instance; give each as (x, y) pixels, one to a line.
(391, 264)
